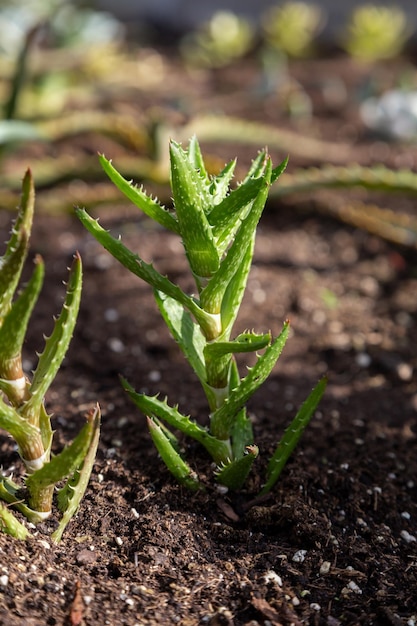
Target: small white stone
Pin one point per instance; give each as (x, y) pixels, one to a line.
(407, 537)
(299, 556)
(134, 512)
(406, 515)
(363, 359)
(154, 376)
(273, 577)
(116, 345)
(87, 600)
(4, 580)
(325, 567)
(314, 606)
(119, 541)
(111, 315)
(354, 587)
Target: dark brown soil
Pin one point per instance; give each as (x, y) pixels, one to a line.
(335, 542)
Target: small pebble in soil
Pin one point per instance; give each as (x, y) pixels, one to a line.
(363, 359)
(325, 567)
(111, 315)
(351, 587)
(273, 577)
(134, 513)
(408, 538)
(116, 345)
(119, 541)
(406, 515)
(299, 556)
(4, 580)
(154, 376)
(315, 607)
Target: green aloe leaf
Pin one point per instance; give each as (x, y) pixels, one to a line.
(192, 201)
(195, 158)
(150, 207)
(10, 525)
(234, 474)
(172, 459)
(219, 186)
(13, 330)
(292, 436)
(212, 295)
(245, 342)
(241, 434)
(217, 356)
(11, 263)
(209, 324)
(222, 420)
(227, 216)
(26, 435)
(185, 332)
(152, 407)
(277, 171)
(232, 298)
(11, 493)
(70, 496)
(57, 344)
(66, 462)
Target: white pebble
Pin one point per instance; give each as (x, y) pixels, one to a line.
(363, 359)
(273, 577)
(407, 537)
(354, 587)
(299, 556)
(116, 345)
(4, 580)
(325, 567)
(406, 515)
(315, 607)
(134, 512)
(119, 541)
(111, 315)
(154, 376)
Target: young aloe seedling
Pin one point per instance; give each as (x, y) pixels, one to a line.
(22, 408)
(217, 227)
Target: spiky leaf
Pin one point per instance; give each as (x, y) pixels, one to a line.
(234, 474)
(223, 419)
(150, 207)
(172, 459)
(185, 332)
(10, 525)
(292, 436)
(57, 344)
(69, 497)
(13, 330)
(147, 272)
(152, 407)
(192, 202)
(212, 295)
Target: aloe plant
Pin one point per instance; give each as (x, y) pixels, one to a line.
(22, 399)
(217, 227)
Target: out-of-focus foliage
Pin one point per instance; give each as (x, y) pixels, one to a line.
(292, 27)
(376, 32)
(224, 38)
